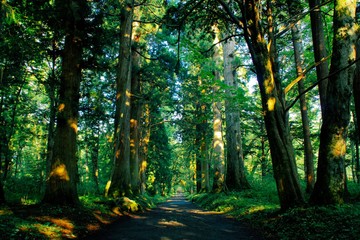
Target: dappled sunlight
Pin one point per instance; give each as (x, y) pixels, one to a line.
(61, 107)
(271, 103)
(73, 122)
(202, 212)
(5, 212)
(338, 146)
(60, 227)
(60, 172)
(171, 223)
(61, 222)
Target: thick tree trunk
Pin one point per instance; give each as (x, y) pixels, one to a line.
(120, 183)
(330, 187)
(295, 8)
(61, 186)
(235, 169)
(319, 45)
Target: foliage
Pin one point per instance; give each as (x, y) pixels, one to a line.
(259, 209)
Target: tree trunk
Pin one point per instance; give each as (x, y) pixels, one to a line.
(120, 183)
(282, 153)
(319, 45)
(235, 169)
(144, 146)
(218, 143)
(330, 187)
(95, 158)
(61, 186)
(295, 8)
(135, 120)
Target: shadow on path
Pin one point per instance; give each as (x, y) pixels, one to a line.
(176, 219)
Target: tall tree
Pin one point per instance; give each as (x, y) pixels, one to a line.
(218, 142)
(235, 169)
(330, 186)
(320, 52)
(120, 183)
(61, 186)
(282, 152)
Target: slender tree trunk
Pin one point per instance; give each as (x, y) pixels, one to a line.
(235, 169)
(144, 146)
(218, 143)
(330, 187)
(61, 186)
(295, 8)
(319, 45)
(95, 159)
(120, 183)
(356, 91)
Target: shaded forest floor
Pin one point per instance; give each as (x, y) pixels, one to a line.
(258, 208)
(18, 221)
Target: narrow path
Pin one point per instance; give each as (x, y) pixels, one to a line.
(177, 219)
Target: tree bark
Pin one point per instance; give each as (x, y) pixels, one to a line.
(135, 115)
(61, 186)
(282, 153)
(120, 183)
(218, 143)
(295, 8)
(320, 52)
(330, 187)
(235, 169)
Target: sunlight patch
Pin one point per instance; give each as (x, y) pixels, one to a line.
(171, 223)
(60, 172)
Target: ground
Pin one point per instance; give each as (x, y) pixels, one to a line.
(177, 218)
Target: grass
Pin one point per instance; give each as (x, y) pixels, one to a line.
(37, 221)
(259, 208)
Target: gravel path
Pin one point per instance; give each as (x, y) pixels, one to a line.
(176, 219)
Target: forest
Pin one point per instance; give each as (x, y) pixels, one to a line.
(246, 107)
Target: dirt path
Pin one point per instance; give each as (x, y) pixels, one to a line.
(176, 219)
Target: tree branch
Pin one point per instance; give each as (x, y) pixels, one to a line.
(317, 83)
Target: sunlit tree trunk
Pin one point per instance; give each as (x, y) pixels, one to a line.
(330, 187)
(120, 183)
(218, 143)
(61, 185)
(282, 152)
(135, 115)
(295, 8)
(235, 169)
(319, 45)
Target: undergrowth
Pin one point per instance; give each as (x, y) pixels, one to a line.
(38, 221)
(259, 208)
